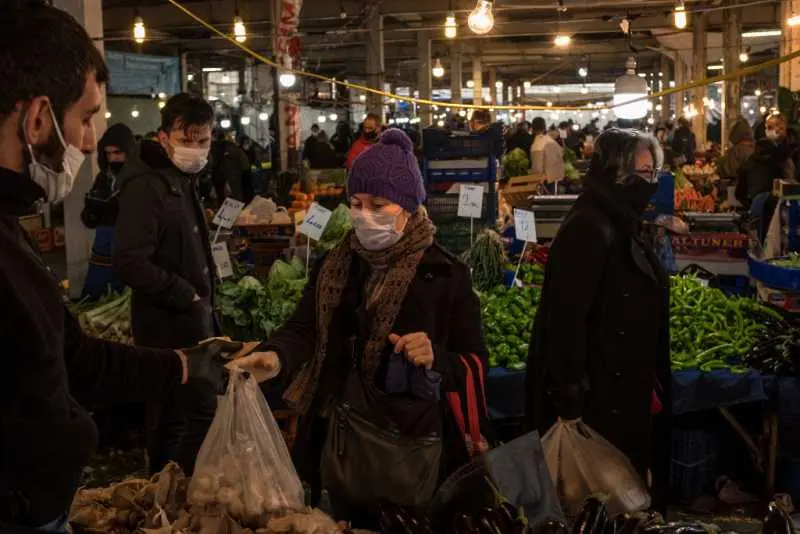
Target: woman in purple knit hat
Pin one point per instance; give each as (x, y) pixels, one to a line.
(384, 356)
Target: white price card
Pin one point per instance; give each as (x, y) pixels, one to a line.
(470, 201)
(315, 222)
(525, 225)
(228, 213)
(222, 259)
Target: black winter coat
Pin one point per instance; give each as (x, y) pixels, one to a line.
(49, 367)
(600, 344)
(684, 144)
(162, 252)
(440, 302)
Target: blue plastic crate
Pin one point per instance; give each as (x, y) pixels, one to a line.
(486, 174)
(663, 201)
(693, 464)
(440, 144)
(733, 285)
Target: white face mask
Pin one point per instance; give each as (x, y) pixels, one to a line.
(376, 231)
(189, 160)
(771, 134)
(57, 185)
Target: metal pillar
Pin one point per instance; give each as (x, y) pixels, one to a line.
(456, 72)
(78, 238)
(699, 65)
(732, 45)
(424, 80)
(665, 77)
(477, 79)
(278, 94)
(679, 75)
(184, 72)
(375, 57)
(493, 91)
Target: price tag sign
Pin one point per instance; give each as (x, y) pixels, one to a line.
(525, 225)
(228, 213)
(470, 201)
(315, 222)
(219, 251)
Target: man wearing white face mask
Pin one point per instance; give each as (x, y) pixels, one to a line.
(162, 252)
(52, 86)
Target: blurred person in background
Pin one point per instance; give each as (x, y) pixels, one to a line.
(742, 147)
(324, 155)
(547, 156)
(754, 183)
(100, 210)
(600, 344)
(520, 138)
(230, 167)
(370, 131)
(480, 121)
(163, 253)
(684, 142)
(662, 136)
(342, 140)
(310, 143)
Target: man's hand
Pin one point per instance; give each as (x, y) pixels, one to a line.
(205, 361)
(196, 298)
(417, 347)
(262, 365)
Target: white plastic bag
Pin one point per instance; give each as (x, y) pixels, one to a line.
(244, 467)
(582, 463)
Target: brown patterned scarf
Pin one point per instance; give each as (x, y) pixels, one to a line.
(400, 261)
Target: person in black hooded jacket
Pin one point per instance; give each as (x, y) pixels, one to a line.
(600, 343)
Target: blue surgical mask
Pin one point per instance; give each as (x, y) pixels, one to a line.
(375, 230)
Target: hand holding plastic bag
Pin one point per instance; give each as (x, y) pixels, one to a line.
(582, 463)
(244, 467)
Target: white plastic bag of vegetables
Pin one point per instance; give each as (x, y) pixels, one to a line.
(244, 467)
(582, 463)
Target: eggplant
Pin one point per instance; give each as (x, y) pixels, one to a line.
(464, 524)
(616, 524)
(551, 527)
(633, 525)
(508, 515)
(487, 523)
(393, 519)
(424, 523)
(593, 517)
(777, 521)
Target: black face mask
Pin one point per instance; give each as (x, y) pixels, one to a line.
(371, 136)
(115, 167)
(636, 193)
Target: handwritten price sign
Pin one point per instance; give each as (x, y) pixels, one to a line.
(228, 213)
(219, 251)
(315, 222)
(470, 201)
(525, 225)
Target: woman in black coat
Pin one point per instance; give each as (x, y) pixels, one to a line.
(393, 307)
(600, 345)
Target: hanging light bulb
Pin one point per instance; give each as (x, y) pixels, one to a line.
(562, 40)
(628, 88)
(139, 31)
(263, 116)
(584, 90)
(362, 97)
(287, 79)
(679, 15)
(322, 119)
(135, 113)
(333, 117)
(225, 123)
(793, 20)
(757, 92)
(481, 19)
(583, 72)
(239, 31)
(244, 121)
(526, 84)
(470, 84)
(438, 69)
(450, 27)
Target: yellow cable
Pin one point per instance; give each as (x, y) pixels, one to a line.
(424, 102)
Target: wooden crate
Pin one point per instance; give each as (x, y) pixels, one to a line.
(520, 189)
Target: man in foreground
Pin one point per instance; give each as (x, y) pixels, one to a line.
(51, 89)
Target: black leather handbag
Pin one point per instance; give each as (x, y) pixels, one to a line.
(382, 446)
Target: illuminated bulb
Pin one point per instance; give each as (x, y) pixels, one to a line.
(450, 27)
(659, 107)
(680, 17)
(562, 40)
(757, 92)
(498, 84)
(135, 113)
(762, 109)
(239, 31)
(190, 77)
(287, 79)
(556, 89)
(526, 84)
(462, 113)
(794, 20)
(481, 19)
(162, 96)
(744, 57)
(650, 120)
(161, 104)
(333, 117)
(440, 124)
(139, 31)
(584, 90)
(438, 69)
(363, 116)
(225, 123)
(745, 105)
(322, 119)
(108, 114)
(549, 104)
(583, 72)
(362, 98)
(263, 116)
(245, 121)
(471, 84)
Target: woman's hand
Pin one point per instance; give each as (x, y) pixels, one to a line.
(262, 365)
(417, 348)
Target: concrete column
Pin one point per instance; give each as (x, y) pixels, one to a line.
(679, 75)
(456, 72)
(375, 57)
(78, 238)
(789, 71)
(278, 95)
(655, 86)
(699, 66)
(184, 72)
(665, 78)
(493, 91)
(732, 46)
(477, 79)
(424, 80)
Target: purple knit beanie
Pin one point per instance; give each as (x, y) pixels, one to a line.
(389, 170)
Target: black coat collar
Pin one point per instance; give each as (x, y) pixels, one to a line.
(17, 192)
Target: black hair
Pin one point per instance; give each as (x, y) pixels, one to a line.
(481, 115)
(188, 110)
(539, 125)
(314, 127)
(373, 116)
(44, 52)
(660, 129)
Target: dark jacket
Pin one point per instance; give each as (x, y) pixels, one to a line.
(520, 139)
(741, 138)
(440, 302)
(755, 176)
(97, 210)
(230, 169)
(600, 344)
(684, 143)
(162, 252)
(46, 436)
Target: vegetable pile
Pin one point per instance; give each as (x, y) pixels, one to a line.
(709, 330)
(508, 315)
(109, 318)
(529, 273)
(485, 259)
(162, 506)
(252, 310)
(777, 350)
(792, 261)
(516, 163)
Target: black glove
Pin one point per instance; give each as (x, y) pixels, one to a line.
(206, 361)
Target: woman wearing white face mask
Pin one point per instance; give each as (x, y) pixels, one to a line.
(391, 317)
